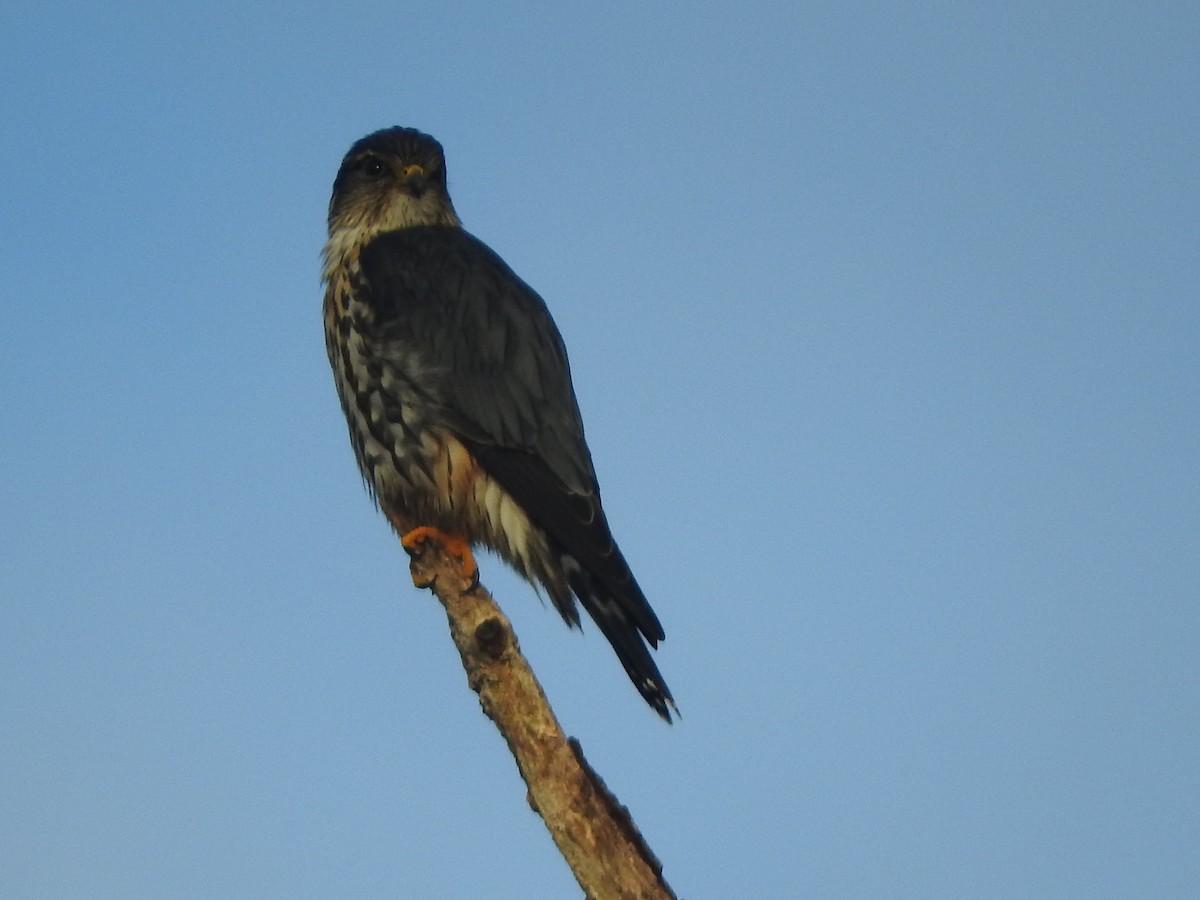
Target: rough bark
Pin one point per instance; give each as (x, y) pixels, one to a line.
(592, 830)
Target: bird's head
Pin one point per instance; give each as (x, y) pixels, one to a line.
(394, 178)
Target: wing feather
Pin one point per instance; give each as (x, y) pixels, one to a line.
(495, 359)
(495, 368)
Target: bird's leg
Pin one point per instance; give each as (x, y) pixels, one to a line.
(455, 545)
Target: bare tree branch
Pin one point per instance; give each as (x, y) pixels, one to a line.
(593, 831)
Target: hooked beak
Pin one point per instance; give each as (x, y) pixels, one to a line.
(414, 179)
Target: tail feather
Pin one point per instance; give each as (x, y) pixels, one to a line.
(576, 554)
(611, 614)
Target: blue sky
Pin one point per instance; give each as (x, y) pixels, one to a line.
(884, 325)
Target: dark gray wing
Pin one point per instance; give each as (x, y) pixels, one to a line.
(498, 372)
(496, 357)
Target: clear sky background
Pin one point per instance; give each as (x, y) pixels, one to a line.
(886, 332)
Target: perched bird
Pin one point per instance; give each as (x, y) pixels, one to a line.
(457, 392)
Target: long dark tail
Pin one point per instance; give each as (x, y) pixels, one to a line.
(628, 638)
(583, 557)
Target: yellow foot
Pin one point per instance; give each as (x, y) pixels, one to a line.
(454, 545)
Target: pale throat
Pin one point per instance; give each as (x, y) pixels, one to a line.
(354, 227)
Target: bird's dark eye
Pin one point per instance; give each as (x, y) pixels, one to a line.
(373, 166)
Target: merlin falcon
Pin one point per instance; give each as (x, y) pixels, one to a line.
(458, 396)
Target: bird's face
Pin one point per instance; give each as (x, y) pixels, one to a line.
(392, 179)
